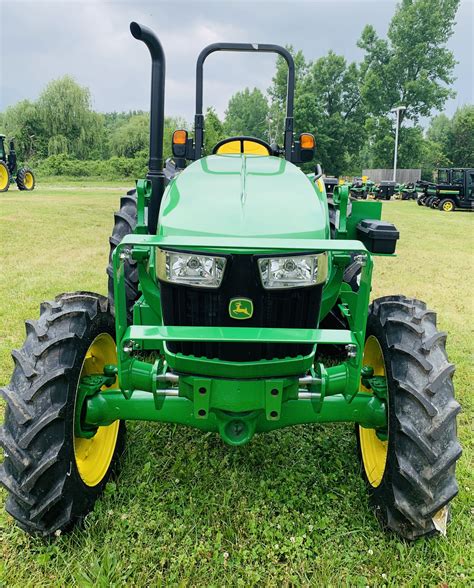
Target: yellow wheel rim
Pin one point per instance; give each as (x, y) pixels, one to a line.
(448, 206)
(93, 456)
(3, 177)
(374, 450)
(28, 181)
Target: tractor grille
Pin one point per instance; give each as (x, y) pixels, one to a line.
(292, 308)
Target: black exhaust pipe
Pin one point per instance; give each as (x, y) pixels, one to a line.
(157, 120)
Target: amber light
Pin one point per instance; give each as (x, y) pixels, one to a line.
(180, 137)
(306, 141)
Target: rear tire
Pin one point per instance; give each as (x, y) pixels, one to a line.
(5, 178)
(47, 492)
(125, 223)
(417, 481)
(25, 179)
(447, 205)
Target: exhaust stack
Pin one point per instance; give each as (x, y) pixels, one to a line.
(157, 119)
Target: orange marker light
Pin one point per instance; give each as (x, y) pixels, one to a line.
(180, 137)
(306, 141)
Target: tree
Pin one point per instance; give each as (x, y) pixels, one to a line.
(64, 109)
(247, 114)
(131, 137)
(329, 104)
(461, 137)
(214, 130)
(23, 122)
(412, 67)
(278, 92)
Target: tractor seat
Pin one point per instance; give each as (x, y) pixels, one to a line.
(246, 145)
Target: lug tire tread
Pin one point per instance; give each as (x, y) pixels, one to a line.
(419, 478)
(39, 470)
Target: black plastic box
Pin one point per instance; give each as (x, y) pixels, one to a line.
(378, 236)
(386, 190)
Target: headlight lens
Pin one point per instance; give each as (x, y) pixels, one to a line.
(193, 269)
(294, 271)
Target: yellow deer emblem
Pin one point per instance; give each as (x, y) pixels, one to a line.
(241, 308)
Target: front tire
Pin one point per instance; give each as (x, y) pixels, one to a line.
(53, 477)
(411, 476)
(25, 179)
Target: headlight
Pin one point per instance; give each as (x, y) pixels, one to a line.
(193, 269)
(294, 271)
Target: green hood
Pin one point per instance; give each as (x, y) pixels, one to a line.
(244, 196)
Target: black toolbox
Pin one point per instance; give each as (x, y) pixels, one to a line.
(378, 236)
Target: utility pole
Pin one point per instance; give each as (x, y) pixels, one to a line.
(398, 109)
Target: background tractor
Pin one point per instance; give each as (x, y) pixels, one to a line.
(453, 190)
(406, 191)
(231, 279)
(9, 172)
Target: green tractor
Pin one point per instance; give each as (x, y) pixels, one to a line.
(406, 191)
(239, 304)
(9, 172)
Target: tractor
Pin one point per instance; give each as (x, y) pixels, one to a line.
(9, 172)
(406, 191)
(457, 192)
(238, 304)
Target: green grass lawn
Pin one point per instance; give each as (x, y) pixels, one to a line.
(288, 509)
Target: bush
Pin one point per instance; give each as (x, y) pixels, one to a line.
(115, 168)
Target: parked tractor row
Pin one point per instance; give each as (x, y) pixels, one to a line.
(362, 188)
(453, 189)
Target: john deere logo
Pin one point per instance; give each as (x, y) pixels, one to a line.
(240, 308)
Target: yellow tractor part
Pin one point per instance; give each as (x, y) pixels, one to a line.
(374, 450)
(4, 177)
(93, 456)
(29, 181)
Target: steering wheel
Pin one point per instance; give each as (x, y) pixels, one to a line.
(242, 144)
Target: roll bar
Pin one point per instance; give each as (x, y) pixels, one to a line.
(250, 48)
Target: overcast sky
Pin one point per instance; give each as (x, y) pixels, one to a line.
(41, 41)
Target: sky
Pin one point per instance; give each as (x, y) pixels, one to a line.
(90, 40)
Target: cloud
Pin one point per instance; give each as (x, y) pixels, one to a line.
(91, 41)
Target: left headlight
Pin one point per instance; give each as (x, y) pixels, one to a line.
(293, 272)
(193, 269)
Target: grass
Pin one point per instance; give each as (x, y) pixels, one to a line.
(288, 509)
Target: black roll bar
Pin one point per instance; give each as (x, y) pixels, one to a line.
(251, 48)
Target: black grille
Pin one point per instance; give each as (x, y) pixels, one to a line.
(292, 308)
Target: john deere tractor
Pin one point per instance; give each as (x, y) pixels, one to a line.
(229, 289)
(9, 172)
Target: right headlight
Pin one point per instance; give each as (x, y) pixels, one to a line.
(295, 271)
(192, 269)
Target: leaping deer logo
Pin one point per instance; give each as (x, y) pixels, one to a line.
(241, 308)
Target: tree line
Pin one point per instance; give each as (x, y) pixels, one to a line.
(346, 105)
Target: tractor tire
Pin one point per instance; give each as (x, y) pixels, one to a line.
(125, 223)
(411, 476)
(51, 484)
(25, 179)
(446, 205)
(5, 178)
